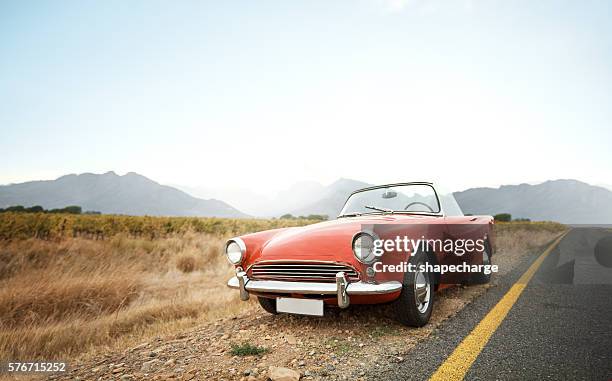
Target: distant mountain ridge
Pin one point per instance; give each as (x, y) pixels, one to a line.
(131, 194)
(331, 199)
(565, 201)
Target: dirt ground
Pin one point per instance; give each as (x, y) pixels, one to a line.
(341, 345)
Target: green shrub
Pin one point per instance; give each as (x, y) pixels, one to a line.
(246, 349)
(72, 209)
(503, 217)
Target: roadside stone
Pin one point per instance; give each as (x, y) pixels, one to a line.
(291, 340)
(147, 366)
(283, 374)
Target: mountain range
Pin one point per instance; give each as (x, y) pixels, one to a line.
(110, 193)
(276, 204)
(566, 201)
(330, 199)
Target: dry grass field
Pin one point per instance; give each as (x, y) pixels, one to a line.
(66, 295)
(70, 293)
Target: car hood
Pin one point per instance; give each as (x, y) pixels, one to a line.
(329, 240)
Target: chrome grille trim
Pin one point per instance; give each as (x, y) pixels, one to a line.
(300, 271)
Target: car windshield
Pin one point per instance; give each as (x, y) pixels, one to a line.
(409, 198)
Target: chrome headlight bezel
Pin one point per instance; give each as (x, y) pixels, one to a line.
(369, 258)
(242, 250)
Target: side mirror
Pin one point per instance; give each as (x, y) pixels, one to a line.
(389, 194)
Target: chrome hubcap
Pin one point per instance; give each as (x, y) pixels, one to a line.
(422, 291)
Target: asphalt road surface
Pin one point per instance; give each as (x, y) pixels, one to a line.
(559, 328)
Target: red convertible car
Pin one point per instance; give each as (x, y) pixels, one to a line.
(395, 243)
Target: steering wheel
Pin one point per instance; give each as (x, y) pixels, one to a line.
(419, 203)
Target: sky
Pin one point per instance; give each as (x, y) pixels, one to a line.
(259, 95)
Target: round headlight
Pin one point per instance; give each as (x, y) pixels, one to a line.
(234, 250)
(363, 248)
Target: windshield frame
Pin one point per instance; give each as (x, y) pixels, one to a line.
(439, 213)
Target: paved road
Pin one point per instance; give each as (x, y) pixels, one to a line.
(559, 328)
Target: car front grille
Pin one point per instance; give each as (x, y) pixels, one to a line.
(301, 271)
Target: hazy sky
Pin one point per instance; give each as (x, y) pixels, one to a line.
(261, 94)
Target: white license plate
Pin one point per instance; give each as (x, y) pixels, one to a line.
(300, 306)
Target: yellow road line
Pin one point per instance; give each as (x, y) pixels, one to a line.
(459, 362)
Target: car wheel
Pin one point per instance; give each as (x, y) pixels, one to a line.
(268, 304)
(415, 303)
(481, 277)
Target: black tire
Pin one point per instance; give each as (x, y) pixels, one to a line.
(406, 309)
(481, 277)
(268, 304)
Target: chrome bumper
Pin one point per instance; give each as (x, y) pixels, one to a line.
(342, 288)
